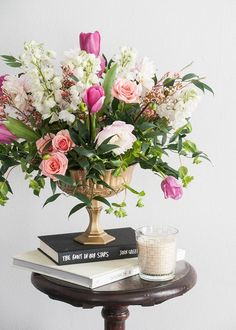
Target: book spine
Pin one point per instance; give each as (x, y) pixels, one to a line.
(101, 254)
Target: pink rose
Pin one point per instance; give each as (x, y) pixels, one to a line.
(57, 163)
(90, 42)
(6, 137)
(121, 136)
(172, 188)
(62, 142)
(126, 90)
(44, 144)
(94, 97)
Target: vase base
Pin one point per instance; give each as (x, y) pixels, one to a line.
(94, 239)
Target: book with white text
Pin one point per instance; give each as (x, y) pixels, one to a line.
(90, 275)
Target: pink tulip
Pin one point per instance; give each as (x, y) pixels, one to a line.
(6, 137)
(172, 188)
(2, 78)
(94, 97)
(90, 42)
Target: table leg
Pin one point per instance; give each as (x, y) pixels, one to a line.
(115, 317)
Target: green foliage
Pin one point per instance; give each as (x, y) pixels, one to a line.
(51, 199)
(108, 83)
(183, 174)
(11, 61)
(37, 184)
(201, 85)
(76, 208)
(20, 130)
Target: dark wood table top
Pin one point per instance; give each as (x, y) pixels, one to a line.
(129, 291)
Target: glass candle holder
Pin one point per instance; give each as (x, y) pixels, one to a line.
(156, 252)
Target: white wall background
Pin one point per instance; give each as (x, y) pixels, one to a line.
(173, 33)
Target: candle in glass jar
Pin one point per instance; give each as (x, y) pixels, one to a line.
(156, 252)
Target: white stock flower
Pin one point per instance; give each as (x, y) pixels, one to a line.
(44, 83)
(67, 116)
(84, 66)
(123, 136)
(145, 72)
(126, 61)
(179, 106)
(36, 52)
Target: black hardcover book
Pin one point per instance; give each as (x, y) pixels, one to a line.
(64, 250)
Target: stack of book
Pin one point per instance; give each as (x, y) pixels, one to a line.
(91, 266)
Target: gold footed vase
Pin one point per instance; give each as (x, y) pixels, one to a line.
(94, 234)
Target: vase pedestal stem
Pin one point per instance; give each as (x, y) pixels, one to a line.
(94, 234)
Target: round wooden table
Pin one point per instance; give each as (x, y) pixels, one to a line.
(116, 297)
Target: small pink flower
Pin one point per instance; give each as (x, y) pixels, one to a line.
(90, 42)
(126, 90)
(62, 142)
(57, 163)
(94, 97)
(44, 144)
(102, 65)
(6, 136)
(121, 135)
(2, 78)
(172, 188)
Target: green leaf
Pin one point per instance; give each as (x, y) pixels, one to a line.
(105, 146)
(20, 130)
(168, 82)
(199, 85)
(187, 180)
(189, 76)
(202, 86)
(76, 208)
(108, 83)
(74, 78)
(51, 199)
(180, 145)
(8, 161)
(65, 179)
(189, 146)
(103, 183)
(83, 162)
(11, 60)
(183, 171)
(83, 198)
(141, 193)
(14, 64)
(102, 200)
(140, 203)
(53, 186)
(3, 200)
(84, 152)
(3, 188)
(197, 160)
(122, 204)
(8, 58)
(208, 88)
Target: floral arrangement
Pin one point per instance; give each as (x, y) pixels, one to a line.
(95, 115)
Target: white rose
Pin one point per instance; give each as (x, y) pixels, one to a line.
(121, 136)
